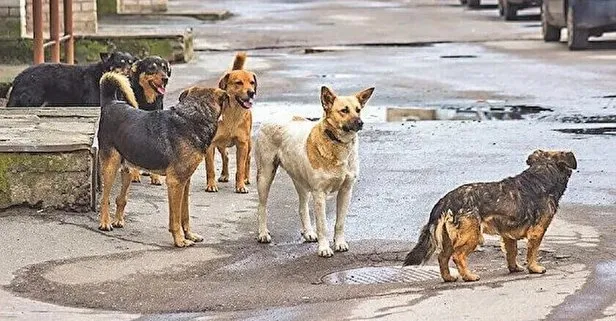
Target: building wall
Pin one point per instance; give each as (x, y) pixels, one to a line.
(84, 16)
(141, 6)
(11, 14)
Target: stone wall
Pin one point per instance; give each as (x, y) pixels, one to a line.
(84, 16)
(141, 6)
(11, 14)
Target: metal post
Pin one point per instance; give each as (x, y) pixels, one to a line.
(69, 47)
(37, 18)
(54, 29)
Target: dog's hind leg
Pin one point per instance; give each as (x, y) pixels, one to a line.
(443, 258)
(224, 175)
(510, 247)
(319, 215)
(535, 236)
(122, 198)
(135, 175)
(240, 175)
(304, 216)
(266, 172)
(110, 162)
(467, 237)
(247, 169)
(186, 217)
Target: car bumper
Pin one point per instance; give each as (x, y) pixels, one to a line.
(526, 3)
(592, 14)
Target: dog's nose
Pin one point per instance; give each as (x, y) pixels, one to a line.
(251, 93)
(165, 79)
(359, 124)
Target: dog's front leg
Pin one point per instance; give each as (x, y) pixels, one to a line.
(342, 208)
(240, 175)
(319, 214)
(175, 191)
(188, 234)
(210, 170)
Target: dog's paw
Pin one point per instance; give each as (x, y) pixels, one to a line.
(118, 223)
(223, 178)
(341, 246)
(105, 226)
(310, 236)
(182, 242)
(264, 237)
(325, 251)
(247, 181)
(194, 237)
(135, 177)
(241, 189)
(211, 188)
(517, 268)
(470, 277)
(155, 180)
(449, 278)
(536, 269)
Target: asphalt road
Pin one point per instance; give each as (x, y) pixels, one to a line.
(64, 268)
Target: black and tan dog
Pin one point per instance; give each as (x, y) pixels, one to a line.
(149, 78)
(166, 142)
(56, 84)
(235, 129)
(515, 208)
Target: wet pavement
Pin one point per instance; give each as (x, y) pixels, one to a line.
(64, 268)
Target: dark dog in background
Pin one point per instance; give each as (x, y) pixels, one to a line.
(62, 85)
(148, 78)
(515, 208)
(166, 142)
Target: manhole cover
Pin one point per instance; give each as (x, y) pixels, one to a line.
(383, 274)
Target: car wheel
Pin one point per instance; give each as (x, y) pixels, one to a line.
(577, 37)
(509, 11)
(474, 3)
(550, 33)
(463, 2)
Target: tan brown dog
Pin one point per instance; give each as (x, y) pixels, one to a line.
(515, 208)
(235, 128)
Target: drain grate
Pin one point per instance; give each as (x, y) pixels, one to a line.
(383, 274)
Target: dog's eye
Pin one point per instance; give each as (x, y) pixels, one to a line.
(357, 110)
(252, 82)
(239, 82)
(345, 110)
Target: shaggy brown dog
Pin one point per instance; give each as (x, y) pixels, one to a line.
(515, 208)
(165, 142)
(235, 127)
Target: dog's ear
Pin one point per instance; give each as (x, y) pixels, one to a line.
(184, 94)
(364, 95)
(327, 97)
(534, 157)
(223, 99)
(134, 67)
(255, 79)
(104, 56)
(222, 84)
(168, 69)
(568, 159)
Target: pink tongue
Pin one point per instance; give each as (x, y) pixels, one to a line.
(247, 104)
(161, 90)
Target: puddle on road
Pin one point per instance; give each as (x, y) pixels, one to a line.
(382, 275)
(589, 131)
(479, 111)
(458, 56)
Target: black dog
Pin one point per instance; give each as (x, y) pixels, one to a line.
(149, 78)
(165, 142)
(59, 85)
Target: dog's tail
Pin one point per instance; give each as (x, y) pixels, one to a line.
(115, 86)
(240, 59)
(429, 239)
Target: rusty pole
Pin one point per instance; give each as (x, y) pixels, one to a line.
(54, 29)
(69, 46)
(37, 17)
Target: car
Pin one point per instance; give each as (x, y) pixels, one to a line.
(509, 8)
(582, 18)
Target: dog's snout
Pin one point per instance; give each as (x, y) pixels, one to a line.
(251, 93)
(165, 79)
(359, 124)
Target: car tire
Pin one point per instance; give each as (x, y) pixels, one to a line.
(549, 32)
(577, 37)
(510, 12)
(474, 3)
(463, 2)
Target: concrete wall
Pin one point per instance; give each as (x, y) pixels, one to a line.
(12, 13)
(141, 6)
(84, 16)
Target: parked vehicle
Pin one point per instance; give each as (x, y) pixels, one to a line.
(582, 18)
(471, 3)
(509, 8)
